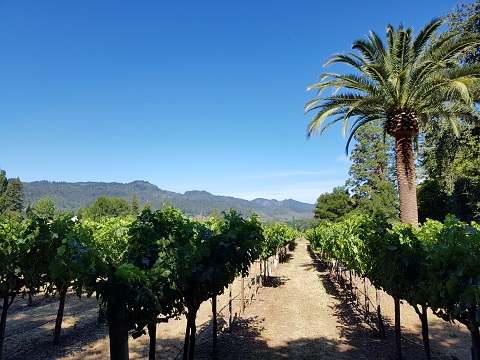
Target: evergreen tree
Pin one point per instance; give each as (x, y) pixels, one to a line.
(3, 182)
(147, 206)
(334, 206)
(452, 164)
(83, 213)
(215, 214)
(11, 200)
(372, 180)
(135, 205)
(103, 206)
(465, 18)
(45, 209)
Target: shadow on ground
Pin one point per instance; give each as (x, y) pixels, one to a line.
(362, 333)
(244, 343)
(359, 337)
(273, 281)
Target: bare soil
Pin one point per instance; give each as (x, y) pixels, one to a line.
(299, 314)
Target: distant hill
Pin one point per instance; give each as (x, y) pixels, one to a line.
(72, 196)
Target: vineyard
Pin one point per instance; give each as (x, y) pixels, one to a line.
(387, 266)
(84, 338)
(302, 316)
(136, 273)
(143, 271)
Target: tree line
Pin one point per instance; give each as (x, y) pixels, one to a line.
(81, 195)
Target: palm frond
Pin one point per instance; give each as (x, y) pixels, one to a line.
(437, 44)
(460, 87)
(316, 124)
(351, 81)
(361, 105)
(345, 106)
(425, 35)
(310, 105)
(465, 71)
(447, 49)
(361, 121)
(346, 58)
(400, 87)
(367, 50)
(378, 73)
(390, 35)
(419, 75)
(334, 121)
(378, 45)
(454, 125)
(400, 51)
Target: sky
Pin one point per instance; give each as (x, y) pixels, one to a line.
(187, 95)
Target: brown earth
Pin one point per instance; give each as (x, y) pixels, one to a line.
(299, 314)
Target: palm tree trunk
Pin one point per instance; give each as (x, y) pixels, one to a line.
(407, 180)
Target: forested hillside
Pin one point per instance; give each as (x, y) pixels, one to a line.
(72, 196)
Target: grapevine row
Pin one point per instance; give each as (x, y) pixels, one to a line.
(144, 270)
(433, 266)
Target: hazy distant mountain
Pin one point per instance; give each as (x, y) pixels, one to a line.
(72, 196)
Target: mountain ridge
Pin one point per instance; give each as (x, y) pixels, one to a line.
(74, 195)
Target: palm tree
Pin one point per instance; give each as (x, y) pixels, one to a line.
(406, 85)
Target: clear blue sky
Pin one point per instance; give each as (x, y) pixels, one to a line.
(188, 95)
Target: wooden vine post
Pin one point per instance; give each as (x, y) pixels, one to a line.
(356, 289)
(260, 284)
(351, 283)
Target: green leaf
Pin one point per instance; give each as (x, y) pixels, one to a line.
(61, 250)
(453, 285)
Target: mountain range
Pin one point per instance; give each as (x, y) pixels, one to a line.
(75, 195)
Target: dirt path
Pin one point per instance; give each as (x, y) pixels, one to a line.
(307, 316)
(293, 319)
(300, 314)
